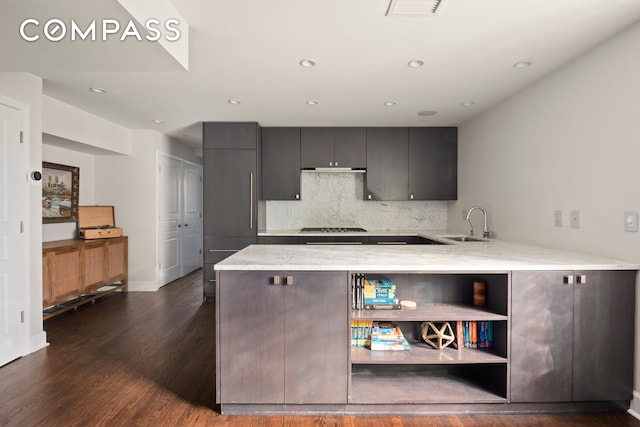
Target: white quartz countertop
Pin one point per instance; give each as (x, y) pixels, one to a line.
(491, 255)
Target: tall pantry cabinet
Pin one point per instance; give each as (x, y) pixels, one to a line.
(230, 192)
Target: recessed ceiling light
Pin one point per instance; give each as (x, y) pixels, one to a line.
(427, 113)
(234, 101)
(467, 104)
(157, 121)
(522, 64)
(415, 63)
(390, 104)
(312, 102)
(307, 63)
(97, 90)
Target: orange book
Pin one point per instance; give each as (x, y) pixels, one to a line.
(473, 334)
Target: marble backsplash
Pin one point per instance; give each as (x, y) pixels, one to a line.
(336, 200)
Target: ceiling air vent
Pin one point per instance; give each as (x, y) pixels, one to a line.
(414, 7)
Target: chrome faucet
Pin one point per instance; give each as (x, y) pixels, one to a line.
(485, 230)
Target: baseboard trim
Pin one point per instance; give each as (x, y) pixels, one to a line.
(37, 342)
(634, 407)
(143, 286)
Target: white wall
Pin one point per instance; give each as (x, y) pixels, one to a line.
(27, 89)
(71, 123)
(129, 183)
(570, 142)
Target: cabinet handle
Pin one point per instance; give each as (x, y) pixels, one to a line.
(331, 164)
(297, 197)
(179, 225)
(186, 225)
(581, 279)
(336, 163)
(411, 197)
(251, 201)
(276, 280)
(288, 280)
(568, 279)
(369, 197)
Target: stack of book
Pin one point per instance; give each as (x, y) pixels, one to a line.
(474, 334)
(380, 294)
(361, 333)
(387, 336)
(357, 286)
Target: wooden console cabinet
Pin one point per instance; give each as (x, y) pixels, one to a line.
(74, 270)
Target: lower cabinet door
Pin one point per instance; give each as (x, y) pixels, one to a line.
(284, 340)
(541, 337)
(251, 347)
(603, 335)
(316, 333)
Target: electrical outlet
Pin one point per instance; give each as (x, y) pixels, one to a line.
(631, 221)
(557, 218)
(574, 217)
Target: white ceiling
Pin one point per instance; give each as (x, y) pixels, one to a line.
(250, 50)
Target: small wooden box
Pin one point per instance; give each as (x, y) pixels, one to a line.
(97, 222)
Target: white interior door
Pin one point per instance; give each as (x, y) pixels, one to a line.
(170, 220)
(13, 205)
(191, 217)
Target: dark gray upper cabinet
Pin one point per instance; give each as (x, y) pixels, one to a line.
(316, 147)
(387, 175)
(333, 147)
(433, 163)
(235, 135)
(280, 163)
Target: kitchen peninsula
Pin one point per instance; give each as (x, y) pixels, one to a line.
(563, 327)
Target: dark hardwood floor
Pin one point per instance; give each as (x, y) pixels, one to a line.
(147, 359)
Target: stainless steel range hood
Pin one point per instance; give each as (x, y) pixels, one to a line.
(335, 169)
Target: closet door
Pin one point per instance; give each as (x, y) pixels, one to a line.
(180, 218)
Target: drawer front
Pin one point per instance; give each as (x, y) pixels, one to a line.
(279, 240)
(209, 283)
(218, 248)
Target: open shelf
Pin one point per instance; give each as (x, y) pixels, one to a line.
(421, 353)
(76, 302)
(427, 385)
(433, 311)
(424, 375)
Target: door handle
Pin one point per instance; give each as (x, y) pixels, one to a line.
(251, 201)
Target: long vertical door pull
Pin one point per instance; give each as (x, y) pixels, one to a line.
(251, 200)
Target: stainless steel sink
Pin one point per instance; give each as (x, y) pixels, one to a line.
(464, 238)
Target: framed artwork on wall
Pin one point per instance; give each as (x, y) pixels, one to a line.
(60, 190)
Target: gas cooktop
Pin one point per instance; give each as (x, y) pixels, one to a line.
(333, 230)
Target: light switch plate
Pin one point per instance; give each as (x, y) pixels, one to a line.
(574, 217)
(557, 218)
(631, 221)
